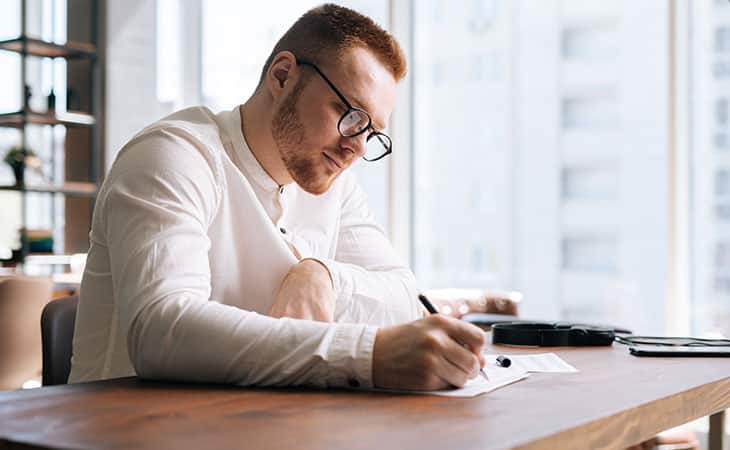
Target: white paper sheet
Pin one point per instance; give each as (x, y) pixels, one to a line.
(498, 377)
(535, 362)
(478, 385)
(502, 376)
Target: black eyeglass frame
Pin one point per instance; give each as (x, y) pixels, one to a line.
(383, 138)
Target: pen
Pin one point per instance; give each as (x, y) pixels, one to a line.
(431, 310)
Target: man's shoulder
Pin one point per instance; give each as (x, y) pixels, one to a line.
(198, 121)
(192, 130)
(185, 144)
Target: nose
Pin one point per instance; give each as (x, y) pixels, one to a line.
(357, 145)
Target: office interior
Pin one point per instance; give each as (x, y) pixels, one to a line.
(554, 160)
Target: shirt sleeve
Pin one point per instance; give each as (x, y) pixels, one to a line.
(372, 285)
(158, 202)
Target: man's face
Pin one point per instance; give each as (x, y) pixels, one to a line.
(305, 125)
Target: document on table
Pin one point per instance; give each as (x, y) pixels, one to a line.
(502, 376)
(535, 362)
(498, 377)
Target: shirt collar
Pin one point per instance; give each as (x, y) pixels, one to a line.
(248, 162)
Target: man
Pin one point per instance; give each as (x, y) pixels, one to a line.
(236, 247)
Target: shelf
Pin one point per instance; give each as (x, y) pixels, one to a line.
(41, 48)
(72, 119)
(71, 188)
(69, 205)
(47, 259)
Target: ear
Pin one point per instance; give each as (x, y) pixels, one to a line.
(282, 74)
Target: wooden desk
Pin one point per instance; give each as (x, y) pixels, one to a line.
(615, 401)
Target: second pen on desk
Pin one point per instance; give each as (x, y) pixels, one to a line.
(432, 310)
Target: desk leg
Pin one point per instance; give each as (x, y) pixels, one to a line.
(717, 431)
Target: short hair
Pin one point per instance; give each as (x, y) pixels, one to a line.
(325, 32)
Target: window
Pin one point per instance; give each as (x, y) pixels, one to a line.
(722, 182)
(589, 183)
(169, 42)
(722, 213)
(708, 40)
(722, 256)
(590, 111)
(590, 253)
(722, 69)
(721, 141)
(45, 19)
(722, 39)
(721, 112)
(722, 286)
(570, 159)
(588, 42)
(540, 143)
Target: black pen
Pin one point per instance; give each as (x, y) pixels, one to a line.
(431, 310)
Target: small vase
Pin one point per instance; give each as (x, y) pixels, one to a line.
(19, 172)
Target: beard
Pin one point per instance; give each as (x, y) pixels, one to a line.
(288, 134)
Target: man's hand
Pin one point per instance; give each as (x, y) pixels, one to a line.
(432, 353)
(306, 293)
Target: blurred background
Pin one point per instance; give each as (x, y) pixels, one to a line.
(575, 151)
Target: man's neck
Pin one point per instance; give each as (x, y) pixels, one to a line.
(256, 129)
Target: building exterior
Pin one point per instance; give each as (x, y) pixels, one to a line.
(540, 155)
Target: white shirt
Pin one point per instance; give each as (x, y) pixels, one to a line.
(189, 247)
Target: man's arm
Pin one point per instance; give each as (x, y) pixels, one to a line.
(162, 195)
(371, 283)
(157, 210)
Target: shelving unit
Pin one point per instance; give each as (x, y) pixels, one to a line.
(79, 182)
(76, 188)
(21, 118)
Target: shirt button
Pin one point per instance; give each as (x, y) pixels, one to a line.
(353, 383)
(283, 230)
(281, 190)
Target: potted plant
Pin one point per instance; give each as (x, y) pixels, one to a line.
(19, 158)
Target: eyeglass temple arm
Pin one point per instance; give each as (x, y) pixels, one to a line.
(302, 62)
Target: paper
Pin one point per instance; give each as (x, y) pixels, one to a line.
(502, 376)
(478, 385)
(498, 377)
(535, 362)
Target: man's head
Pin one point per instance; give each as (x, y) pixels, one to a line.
(330, 57)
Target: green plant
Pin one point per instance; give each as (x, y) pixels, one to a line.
(21, 157)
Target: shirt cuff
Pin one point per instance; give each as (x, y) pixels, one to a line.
(351, 356)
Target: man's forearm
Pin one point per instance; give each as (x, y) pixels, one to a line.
(184, 339)
(382, 297)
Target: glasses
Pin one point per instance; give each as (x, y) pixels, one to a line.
(355, 122)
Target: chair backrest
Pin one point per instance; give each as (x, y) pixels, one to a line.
(57, 329)
(22, 299)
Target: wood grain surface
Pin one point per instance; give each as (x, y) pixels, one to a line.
(616, 400)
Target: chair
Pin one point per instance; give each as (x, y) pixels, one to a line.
(22, 299)
(57, 329)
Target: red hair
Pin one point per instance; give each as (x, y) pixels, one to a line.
(324, 33)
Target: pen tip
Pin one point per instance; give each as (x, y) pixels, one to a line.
(484, 374)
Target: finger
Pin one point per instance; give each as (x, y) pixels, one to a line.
(461, 357)
(451, 373)
(466, 334)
